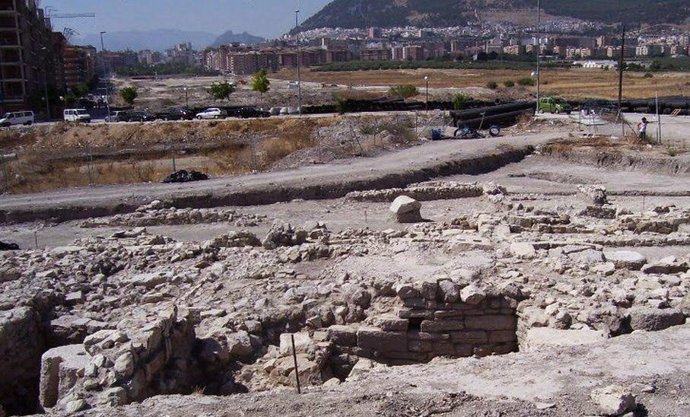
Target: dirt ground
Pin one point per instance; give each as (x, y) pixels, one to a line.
(327, 87)
(567, 83)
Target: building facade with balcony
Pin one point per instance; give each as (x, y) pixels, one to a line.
(28, 62)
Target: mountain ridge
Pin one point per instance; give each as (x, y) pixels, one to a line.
(445, 13)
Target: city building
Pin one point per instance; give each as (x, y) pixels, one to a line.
(79, 64)
(29, 66)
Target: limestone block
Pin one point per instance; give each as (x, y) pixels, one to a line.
(491, 322)
(440, 326)
(361, 368)
(150, 280)
(342, 335)
(594, 194)
(124, 365)
(239, 344)
(405, 291)
(406, 210)
(502, 336)
(378, 340)
(685, 305)
(469, 336)
(523, 250)
(391, 323)
(543, 337)
(653, 319)
(61, 369)
(303, 343)
(472, 294)
(449, 291)
(613, 400)
(626, 259)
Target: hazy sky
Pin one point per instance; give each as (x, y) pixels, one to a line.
(267, 18)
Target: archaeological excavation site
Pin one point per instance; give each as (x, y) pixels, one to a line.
(541, 273)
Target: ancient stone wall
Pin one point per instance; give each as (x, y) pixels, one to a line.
(144, 356)
(21, 345)
(437, 319)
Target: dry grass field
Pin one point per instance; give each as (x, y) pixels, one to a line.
(568, 83)
(65, 155)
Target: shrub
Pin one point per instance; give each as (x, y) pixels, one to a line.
(526, 81)
(460, 100)
(492, 85)
(404, 90)
(648, 75)
(509, 83)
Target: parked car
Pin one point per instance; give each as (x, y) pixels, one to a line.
(554, 105)
(135, 116)
(17, 118)
(76, 115)
(174, 114)
(247, 112)
(212, 113)
(115, 116)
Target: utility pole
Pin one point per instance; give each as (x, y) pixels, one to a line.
(45, 84)
(538, 54)
(426, 102)
(299, 65)
(105, 72)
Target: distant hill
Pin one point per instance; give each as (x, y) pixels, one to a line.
(230, 37)
(444, 13)
(156, 40)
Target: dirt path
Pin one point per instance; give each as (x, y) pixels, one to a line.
(396, 169)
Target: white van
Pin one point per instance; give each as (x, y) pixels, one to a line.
(17, 118)
(76, 115)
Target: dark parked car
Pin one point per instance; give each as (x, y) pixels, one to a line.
(175, 114)
(247, 112)
(135, 116)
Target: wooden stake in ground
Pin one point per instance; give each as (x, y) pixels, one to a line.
(294, 357)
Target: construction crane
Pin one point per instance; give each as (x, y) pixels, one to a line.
(70, 15)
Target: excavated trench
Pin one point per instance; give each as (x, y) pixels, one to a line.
(274, 194)
(623, 160)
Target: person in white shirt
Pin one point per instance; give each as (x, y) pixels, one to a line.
(642, 128)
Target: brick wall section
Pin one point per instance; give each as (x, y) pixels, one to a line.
(436, 319)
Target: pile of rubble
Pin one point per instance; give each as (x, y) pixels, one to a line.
(155, 214)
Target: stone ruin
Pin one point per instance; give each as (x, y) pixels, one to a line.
(436, 319)
(113, 320)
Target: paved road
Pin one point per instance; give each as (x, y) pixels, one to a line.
(418, 163)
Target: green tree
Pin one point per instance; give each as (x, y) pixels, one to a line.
(492, 85)
(509, 83)
(80, 90)
(261, 84)
(70, 100)
(404, 91)
(129, 94)
(221, 90)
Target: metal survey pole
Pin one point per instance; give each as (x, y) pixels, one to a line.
(621, 65)
(538, 54)
(299, 65)
(658, 121)
(294, 357)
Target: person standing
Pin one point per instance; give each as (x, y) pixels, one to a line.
(642, 128)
